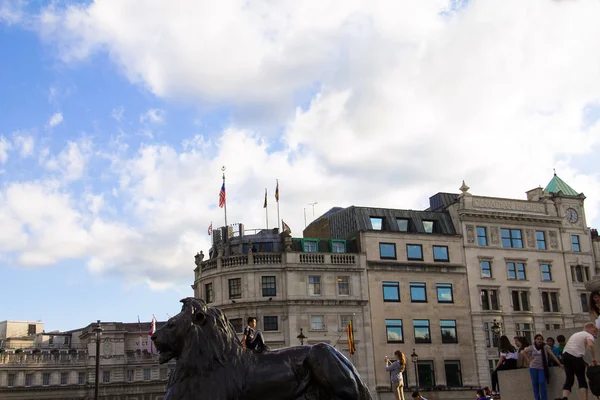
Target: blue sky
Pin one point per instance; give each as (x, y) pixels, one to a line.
(117, 119)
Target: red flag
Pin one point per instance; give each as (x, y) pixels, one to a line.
(210, 229)
(350, 332)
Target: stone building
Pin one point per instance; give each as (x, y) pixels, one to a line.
(527, 262)
(300, 290)
(418, 294)
(61, 365)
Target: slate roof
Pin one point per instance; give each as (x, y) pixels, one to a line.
(558, 185)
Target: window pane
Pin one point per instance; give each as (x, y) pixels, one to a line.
(270, 323)
(521, 271)
(449, 334)
(426, 374)
(444, 293)
(402, 224)
(376, 223)
(540, 237)
(310, 246)
(428, 226)
(494, 300)
(343, 285)
(485, 302)
(387, 250)
(268, 286)
(486, 269)
(314, 285)
(338, 247)
(575, 243)
(393, 329)
(422, 334)
(317, 322)
(505, 234)
(418, 293)
(440, 253)
(414, 251)
(453, 373)
(481, 236)
(391, 291)
(546, 274)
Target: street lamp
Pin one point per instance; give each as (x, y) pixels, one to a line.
(98, 330)
(415, 358)
(301, 337)
(496, 329)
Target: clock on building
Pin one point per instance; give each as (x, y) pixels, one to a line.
(572, 216)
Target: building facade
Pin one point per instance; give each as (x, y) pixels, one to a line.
(61, 365)
(418, 293)
(527, 262)
(300, 290)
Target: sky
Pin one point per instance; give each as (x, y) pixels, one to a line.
(117, 116)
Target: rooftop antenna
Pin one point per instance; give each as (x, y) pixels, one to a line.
(313, 206)
(304, 217)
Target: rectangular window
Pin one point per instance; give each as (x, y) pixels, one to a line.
(520, 300)
(486, 268)
(552, 326)
(491, 340)
(237, 324)
(28, 379)
(147, 374)
(426, 374)
(540, 237)
(81, 378)
(440, 253)
(585, 306)
(338, 246)
(314, 285)
(310, 246)
(11, 380)
(579, 273)
(269, 288)
(270, 323)
(130, 375)
(422, 332)
(105, 376)
(51, 340)
(444, 293)
(516, 270)
(524, 329)
(550, 302)
(387, 251)
(418, 293)
(489, 299)
(163, 372)
(453, 373)
(31, 329)
(391, 291)
(546, 271)
(428, 226)
(402, 224)
(208, 292)
(317, 322)
(394, 332)
(344, 322)
(575, 243)
(64, 378)
(66, 340)
(414, 252)
(449, 332)
(343, 284)
(482, 236)
(376, 223)
(45, 379)
(235, 288)
(511, 238)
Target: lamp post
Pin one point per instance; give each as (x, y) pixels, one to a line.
(301, 337)
(98, 330)
(415, 358)
(496, 329)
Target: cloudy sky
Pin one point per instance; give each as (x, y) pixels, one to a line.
(117, 115)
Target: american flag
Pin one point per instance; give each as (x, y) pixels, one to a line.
(222, 197)
(210, 229)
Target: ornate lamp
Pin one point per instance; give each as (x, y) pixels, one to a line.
(301, 337)
(415, 359)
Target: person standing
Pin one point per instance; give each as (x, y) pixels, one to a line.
(573, 360)
(396, 369)
(538, 354)
(595, 307)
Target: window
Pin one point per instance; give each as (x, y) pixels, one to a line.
(28, 379)
(208, 292)
(449, 333)
(387, 251)
(511, 238)
(81, 378)
(491, 340)
(546, 272)
(130, 375)
(11, 380)
(31, 329)
(422, 332)
(550, 302)
(524, 329)
(310, 246)
(391, 291)
(147, 374)
(314, 285)
(440, 253)
(163, 372)
(585, 306)
(520, 300)
(338, 246)
(540, 237)
(237, 324)
(51, 340)
(105, 376)
(64, 378)
(418, 293)
(444, 293)
(46, 379)
(516, 271)
(428, 226)
(579, 273)
(575, 243)
(343, 283)
(235, 288)
(482, 236)
(269, 288)
(414, 252)
(489, 299)
(66, 340)
(552, 326)
(376, 223)
(453, 373)
(486, 268)
(402, 224)
(317, 322)
(394, 332)
(426, 374)
(270, 323)
(344, 322)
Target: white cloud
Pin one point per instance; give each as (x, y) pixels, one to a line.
(72, 161)
(25, 144)
(117, 113)
(153, 116)
(55, 120)
(5, 146)
(11, 11)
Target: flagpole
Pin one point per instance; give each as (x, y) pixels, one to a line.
(278, 218)
(266, 209)
(225, 202)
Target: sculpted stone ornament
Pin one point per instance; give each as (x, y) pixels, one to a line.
(593, 285)
(211, 364)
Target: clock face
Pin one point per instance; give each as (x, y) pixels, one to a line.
(572, 216)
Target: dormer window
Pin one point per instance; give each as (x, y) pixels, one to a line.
(310, 246)
(402, 224)
(428, 226)
(376, 223)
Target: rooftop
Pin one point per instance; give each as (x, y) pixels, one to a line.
(558, 185)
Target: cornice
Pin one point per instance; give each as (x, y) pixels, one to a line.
(409, 266)
(479, 215)
(284, 303)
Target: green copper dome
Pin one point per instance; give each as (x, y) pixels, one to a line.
(558, 185)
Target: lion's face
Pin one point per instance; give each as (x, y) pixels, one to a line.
(169, 339)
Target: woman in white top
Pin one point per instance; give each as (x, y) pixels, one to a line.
(508, 360)
(595, 307)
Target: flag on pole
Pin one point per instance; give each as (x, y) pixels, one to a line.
(350, 332)
(151, 348)
(265, 206)
(277, 192)
(222, 197)
(286, 227)
(140, 328)
(210, 229)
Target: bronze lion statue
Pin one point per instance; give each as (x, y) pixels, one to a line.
(212, 365)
